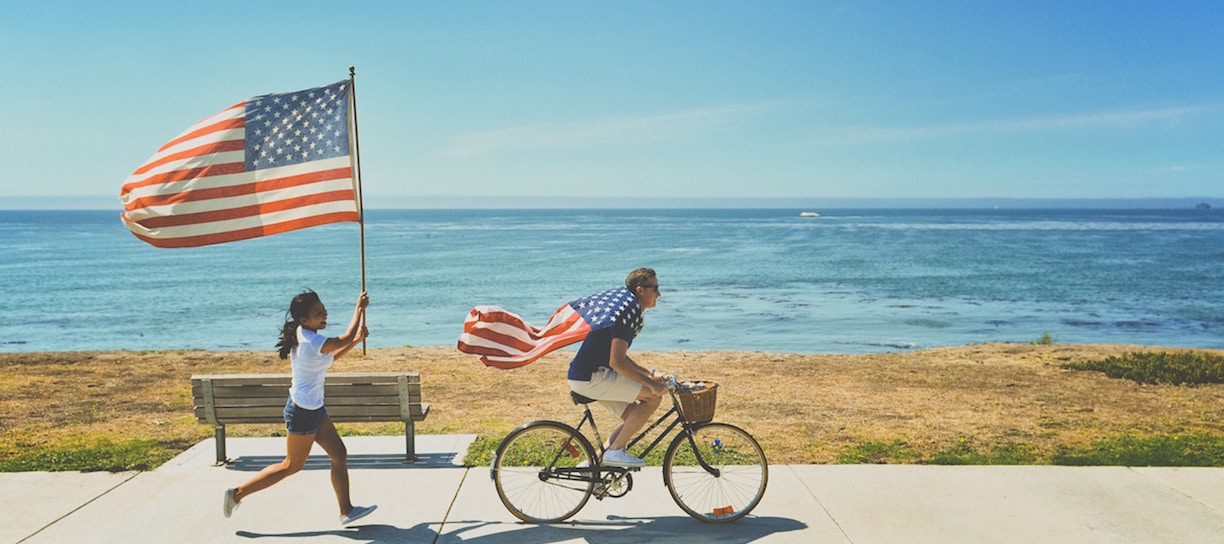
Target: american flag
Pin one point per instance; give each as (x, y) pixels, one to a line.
(503, 340)
(267, 165)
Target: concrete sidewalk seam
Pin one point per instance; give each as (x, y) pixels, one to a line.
(823, 508)
(77, 509)
(1176, 490)
(451, 506)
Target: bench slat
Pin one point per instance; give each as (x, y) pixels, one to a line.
(338, 377)
(222, 390)
(275, 414)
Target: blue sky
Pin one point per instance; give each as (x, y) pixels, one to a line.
(647, 100)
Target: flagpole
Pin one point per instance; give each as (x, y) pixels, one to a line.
(355, 151)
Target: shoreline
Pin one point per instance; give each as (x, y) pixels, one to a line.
(804, 408)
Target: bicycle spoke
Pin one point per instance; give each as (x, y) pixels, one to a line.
(527, 472)
(740, 478)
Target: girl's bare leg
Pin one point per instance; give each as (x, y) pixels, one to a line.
(297, 449)
(330, 440)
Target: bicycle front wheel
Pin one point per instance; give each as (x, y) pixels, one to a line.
(540, 473)
(732, 485)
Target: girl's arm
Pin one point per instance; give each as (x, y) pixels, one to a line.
(340, 352)
(356, 332)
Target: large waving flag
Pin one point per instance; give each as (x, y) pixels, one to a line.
(267, 165)
(503, 340)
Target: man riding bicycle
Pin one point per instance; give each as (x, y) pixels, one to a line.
(602, 370)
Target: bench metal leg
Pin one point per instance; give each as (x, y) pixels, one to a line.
(219, 434)
(410, 436)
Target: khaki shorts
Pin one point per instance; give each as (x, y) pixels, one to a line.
(609, 389)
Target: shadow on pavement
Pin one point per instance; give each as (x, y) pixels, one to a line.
(256, 463)
(615, 531)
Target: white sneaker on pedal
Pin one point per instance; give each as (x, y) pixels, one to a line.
(622, 458)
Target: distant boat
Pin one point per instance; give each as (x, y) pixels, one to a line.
(809, 214)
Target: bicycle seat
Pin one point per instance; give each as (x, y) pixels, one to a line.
(579, 399)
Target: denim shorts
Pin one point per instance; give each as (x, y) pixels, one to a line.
(299, 420)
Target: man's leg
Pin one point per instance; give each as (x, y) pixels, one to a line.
(635, 417)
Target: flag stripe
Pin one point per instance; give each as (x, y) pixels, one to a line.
(247, 233)
(242, 223)
(209, 126)
(191, 174)
(341, 166)
(222, 191)
(189, 154)
(267, 165)
(227, 125)
(503, 340)
(250, 210)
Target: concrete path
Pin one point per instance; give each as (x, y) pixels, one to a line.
(437, 500)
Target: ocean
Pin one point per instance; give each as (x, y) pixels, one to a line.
(849, 281)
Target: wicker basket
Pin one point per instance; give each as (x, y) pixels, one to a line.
(698, 406)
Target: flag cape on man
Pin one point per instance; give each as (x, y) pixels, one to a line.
(267, 165)
(503, 340)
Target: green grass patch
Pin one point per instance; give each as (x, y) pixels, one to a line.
(1046, 339)
(1180, 368)
(966, 452)
(1194, 450)
(879, 453)
(1153, 451)
(96, 457)
(480, 453)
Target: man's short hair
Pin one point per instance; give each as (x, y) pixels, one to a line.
(638, 278)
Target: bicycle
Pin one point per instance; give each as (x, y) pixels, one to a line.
(546, 471)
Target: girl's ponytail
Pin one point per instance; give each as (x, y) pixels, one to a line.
(288, 339)
(299, 308)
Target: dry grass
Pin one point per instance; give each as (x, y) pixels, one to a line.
(802, 408)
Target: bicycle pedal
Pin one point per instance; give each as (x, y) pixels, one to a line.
(619, 469)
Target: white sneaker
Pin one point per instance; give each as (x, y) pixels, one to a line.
(357, 513)
(229, 504)
(622, 458)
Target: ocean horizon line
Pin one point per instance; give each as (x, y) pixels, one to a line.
(450, 202)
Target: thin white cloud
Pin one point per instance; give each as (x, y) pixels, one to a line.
(602, 132)
(1077, 121)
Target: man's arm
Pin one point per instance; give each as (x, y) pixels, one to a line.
(619, 360)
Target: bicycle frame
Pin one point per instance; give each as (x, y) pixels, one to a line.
(677, 419)
(546, 471)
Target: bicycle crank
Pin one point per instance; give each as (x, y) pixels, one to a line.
(614, 484)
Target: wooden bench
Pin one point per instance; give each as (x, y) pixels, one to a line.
(227, 399)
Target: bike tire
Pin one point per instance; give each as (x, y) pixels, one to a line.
(743, 472)
(531, 470)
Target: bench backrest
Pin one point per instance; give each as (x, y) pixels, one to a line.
(260, 398)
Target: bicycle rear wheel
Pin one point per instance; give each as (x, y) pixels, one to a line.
(537, 475)
(736, 486)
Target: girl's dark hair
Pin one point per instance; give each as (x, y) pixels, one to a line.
(299, 308)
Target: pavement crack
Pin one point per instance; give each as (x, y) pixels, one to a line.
(824, 508)
(451, 506)
(78, 509)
